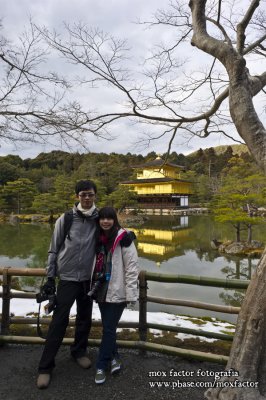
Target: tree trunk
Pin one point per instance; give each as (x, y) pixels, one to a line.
(237, 274)
(249, 238)
(238, 238)
(18, 204)
(248, 352)
(51, 217)
(249, 268)
(242, 87)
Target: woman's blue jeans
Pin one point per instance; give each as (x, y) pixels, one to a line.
(111, 314)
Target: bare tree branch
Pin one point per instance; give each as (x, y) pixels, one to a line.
(241, 27)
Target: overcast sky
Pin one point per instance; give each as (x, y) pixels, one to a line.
(116, 17)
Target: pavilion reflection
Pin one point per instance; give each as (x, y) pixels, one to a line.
(159, 243)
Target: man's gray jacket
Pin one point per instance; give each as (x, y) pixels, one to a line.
(73, 258)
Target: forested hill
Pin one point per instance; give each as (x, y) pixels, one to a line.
(109, 168)
(237, 149)
(48, 180)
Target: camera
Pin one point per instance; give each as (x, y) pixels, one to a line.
(96, 286)
(45, 294)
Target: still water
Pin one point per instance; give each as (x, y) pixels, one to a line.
(169, 245)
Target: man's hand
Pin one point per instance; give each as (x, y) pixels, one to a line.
(127, 239)
(49, 286)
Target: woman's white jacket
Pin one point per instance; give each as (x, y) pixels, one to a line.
(123, 285)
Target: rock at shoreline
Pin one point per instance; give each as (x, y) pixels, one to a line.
(255, 248)
(132, 220)
(215, 244)
(13, 219)
(235, 248)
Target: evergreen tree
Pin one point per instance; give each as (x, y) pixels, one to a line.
(121, 198)
(48, 203)
(19, 194)
(8, 172)
(239, 197)
(64, 191)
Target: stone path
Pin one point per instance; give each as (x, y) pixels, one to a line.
(144, 377)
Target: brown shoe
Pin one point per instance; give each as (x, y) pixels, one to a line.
(83, 362)
(43, 381)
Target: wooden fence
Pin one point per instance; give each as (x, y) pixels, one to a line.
(143, 325)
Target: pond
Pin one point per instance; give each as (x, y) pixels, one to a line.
(169, 245)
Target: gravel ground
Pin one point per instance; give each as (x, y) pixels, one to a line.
(18, 375)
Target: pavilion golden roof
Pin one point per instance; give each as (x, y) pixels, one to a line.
(158, 162)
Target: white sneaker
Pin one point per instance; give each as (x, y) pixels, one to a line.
(100, 376)
(115, 366)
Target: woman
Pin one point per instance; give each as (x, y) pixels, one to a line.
(116, 276)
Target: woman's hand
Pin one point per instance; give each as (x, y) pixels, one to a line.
(131, 305)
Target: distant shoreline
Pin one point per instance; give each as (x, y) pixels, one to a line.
(128, 214)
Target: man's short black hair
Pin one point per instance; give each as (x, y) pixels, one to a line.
(85, 185)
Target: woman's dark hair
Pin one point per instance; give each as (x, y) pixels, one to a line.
(110, 213)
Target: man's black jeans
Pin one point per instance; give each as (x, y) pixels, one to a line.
(67, 293)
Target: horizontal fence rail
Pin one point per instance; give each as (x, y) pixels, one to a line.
(197, 280)
(144, 346)
(194, 304)
(142, 325)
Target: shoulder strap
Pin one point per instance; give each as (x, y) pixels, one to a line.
(117, 240)
(68, 219)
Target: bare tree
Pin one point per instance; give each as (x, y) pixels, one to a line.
(200, 103)
(33, 107)
(172, 100)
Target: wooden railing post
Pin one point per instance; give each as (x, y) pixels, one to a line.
(142, 306)
(6, 303)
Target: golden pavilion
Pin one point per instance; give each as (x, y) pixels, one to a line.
(159, 185)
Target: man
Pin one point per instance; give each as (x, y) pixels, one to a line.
(71, 258)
